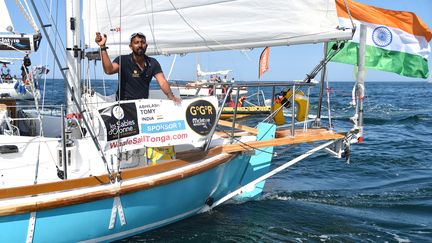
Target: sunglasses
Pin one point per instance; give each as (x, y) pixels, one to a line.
(137, 34)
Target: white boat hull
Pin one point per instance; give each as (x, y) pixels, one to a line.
(8, 90)
(114, 210)
(191, 91)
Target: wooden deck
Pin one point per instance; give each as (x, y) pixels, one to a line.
(285, 138)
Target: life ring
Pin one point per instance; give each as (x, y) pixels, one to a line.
(284, 98)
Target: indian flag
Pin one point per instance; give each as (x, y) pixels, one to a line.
(396, 41)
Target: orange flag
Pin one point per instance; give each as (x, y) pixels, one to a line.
(263, 64)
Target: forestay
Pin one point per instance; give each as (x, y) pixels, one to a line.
(184, 26)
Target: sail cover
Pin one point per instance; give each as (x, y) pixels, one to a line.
(6, 21)
(184, 26)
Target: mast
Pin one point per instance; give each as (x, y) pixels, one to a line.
(73, 58)
(76, 103)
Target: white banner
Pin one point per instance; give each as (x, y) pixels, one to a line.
(154, 123)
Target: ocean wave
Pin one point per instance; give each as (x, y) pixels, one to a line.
(414, 201)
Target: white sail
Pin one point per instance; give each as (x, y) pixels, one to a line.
(184, 26)
(6, 22)
(201, 73)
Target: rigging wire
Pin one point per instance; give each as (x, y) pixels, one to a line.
(196, 31)
(305, 124)
(93, 137)
(247, 145)
(46, 59)
(172, 66)
(27, 14)
(188, 24)
(31, 80)
(12, 47)
(52, 32)
(349, 14)
(151, 26)
(330, 125)
(119, 148)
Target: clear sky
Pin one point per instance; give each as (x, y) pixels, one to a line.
(285, 63)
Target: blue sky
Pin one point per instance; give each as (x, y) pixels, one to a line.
(285, 63)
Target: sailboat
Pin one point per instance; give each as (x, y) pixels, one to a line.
(24, 87)
(119, 168)
(207, 83)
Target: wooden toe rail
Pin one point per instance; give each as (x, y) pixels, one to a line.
(282, 138)
(238, 126)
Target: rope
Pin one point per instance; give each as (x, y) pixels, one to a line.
(196, 31)
(119, 148)
(349, 14)
(247, 145)
(56, 58)
(151, 25)
(305, 124)
(15, 49)
(172, 66)
(328, 103)
(188, 24)
(27, 15)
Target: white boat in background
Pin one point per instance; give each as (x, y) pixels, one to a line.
(114, 169)
(207, 83)
(25, 85)
(15, 88)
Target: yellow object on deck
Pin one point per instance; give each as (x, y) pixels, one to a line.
(302, 106)
(158, 154)
(279, 116)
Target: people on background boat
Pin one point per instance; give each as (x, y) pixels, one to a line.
(218, 79)
(5, 72)
(24, 72)
(135, 69)
(211, 89)
(24, 69)
(240, 102)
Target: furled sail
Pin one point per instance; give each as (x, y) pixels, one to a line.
(6, 22)
(11, 41)
(184, 26)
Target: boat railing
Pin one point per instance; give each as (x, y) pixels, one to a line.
(237, 86)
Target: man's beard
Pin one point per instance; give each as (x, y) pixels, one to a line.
(139, 52)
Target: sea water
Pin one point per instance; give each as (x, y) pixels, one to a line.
(383, 195)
